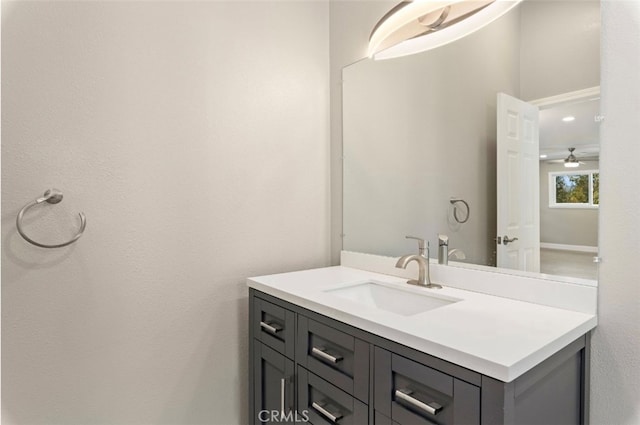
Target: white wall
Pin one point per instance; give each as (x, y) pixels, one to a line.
(615, 378)
(194, 135)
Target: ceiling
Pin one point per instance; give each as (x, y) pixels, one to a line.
(583, 133)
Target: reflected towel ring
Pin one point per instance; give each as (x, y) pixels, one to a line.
(52, 196)
(454, 201)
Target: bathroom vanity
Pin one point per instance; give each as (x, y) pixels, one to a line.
(349, 346)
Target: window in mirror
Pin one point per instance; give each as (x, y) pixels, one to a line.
(579, 189)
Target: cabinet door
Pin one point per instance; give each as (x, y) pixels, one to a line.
(273, 386)
(408, 392)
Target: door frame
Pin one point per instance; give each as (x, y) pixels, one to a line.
(565, 98)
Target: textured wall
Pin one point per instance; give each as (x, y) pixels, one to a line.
(615, 379)
(194, 135)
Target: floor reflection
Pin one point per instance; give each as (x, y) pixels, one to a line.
(568, 263)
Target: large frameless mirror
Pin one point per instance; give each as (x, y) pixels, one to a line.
(438, 143)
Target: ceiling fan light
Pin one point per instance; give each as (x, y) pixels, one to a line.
(571, 161)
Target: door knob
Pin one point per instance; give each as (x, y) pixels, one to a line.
(506, 239)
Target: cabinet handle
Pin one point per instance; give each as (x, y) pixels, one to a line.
(320, 352)
(432, 408)
(271, 328)
(283, 384)
(331, 416)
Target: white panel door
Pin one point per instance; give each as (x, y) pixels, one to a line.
(518, 185)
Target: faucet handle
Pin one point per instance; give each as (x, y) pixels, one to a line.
(422, 244)
(443, 240)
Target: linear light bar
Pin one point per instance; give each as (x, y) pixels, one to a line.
(417, 26)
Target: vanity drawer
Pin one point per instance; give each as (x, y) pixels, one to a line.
(335, 356)
(326, 404)
(411, 393)
(274, 326)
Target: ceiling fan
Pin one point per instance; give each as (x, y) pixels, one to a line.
(570, 161)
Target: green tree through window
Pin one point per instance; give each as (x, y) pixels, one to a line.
(572, 189)
(580, 188)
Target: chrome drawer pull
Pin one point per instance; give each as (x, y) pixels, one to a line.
(320, 408)
(432, 408)
(274, 329)
(320, 351)
(283, 383)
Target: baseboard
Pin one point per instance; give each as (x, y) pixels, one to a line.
(565, 247)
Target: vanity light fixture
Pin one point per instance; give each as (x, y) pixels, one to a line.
(569, 118)
(571, 161)
(420, 25)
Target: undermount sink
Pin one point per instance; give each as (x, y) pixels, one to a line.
(384, 296)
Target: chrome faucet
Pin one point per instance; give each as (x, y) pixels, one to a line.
(422, 258)
(443, 251)
(458, 253)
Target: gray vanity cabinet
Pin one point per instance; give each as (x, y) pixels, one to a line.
(322, 371)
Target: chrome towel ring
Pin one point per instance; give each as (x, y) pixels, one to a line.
(52, 196)
(454, 202)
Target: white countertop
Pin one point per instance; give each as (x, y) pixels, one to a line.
(498, 337)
